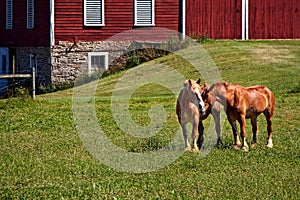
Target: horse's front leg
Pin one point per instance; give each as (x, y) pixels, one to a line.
(237, 143)
(195, 135)
(185, 136)
(242, 122)
(255, 131)
(200, 137)
(216, 116)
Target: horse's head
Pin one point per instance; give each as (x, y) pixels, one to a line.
(194, 90)
(208, 97)
(218, 90)
(204, 90)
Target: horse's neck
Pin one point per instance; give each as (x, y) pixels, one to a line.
(220, 94)
(186, 97)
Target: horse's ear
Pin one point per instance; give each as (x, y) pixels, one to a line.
(199, 81)
(186, 83)
(190, 81)
(205, 86)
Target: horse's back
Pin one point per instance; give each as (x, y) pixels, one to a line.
(263, 92)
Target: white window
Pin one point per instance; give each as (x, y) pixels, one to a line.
(30, 14)
(94, 12)
(144, 13)
(33, 62)
(9, 14)
(97, 62)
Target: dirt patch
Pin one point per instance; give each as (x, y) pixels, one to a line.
(272, 54)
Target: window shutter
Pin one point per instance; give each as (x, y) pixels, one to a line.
(9, 14)
(94, 12)
(144, 12)
(30, 14)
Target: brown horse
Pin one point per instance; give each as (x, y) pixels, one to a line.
(241, 103)
(188, 109)
(211, 107)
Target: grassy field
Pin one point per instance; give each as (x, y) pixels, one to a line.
(42, 156)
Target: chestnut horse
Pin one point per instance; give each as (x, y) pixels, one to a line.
(241, 103)
(211, 107)
(189, 106)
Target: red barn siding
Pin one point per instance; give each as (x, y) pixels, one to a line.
(218, 19)
(119, 17)
(20, 35)
(274, 19)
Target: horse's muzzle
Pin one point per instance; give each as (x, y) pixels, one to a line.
(201, 109)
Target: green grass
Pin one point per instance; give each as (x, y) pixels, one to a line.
(42, 156)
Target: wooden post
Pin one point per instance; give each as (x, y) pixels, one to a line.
(33, 83)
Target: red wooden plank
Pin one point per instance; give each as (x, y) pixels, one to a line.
(214, 18)
(20, 35)
(296, 21)
(274, 19)
(119, 16)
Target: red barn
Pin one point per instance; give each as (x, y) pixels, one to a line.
(59, 37)
(243, 19)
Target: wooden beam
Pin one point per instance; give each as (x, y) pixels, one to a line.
(33, 83)
(15, 76)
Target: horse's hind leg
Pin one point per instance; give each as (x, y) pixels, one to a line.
(269, 127)
(255, 131)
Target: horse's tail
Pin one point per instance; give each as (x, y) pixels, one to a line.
(178, 111)
(271, 102)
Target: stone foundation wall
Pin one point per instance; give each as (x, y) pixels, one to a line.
(70, 60)
(60, 65)
(43, 64)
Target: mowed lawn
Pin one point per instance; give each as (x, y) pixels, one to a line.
(43, 157)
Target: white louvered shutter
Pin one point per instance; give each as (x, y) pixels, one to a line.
(9, 14)
(93, 12)
(144, 12)
(30, 14)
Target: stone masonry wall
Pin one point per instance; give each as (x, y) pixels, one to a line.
(69, 60)
(43, 67)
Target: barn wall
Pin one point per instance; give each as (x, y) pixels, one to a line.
(119, 17)
(222, 19)
(218, 19)
(274, 19)
(20, 35)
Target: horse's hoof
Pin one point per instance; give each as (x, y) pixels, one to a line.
(270, 143)
(189, 149)
(219, 144)
(254, 145)
(237, 146)
(245, 148)
(196, 150)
